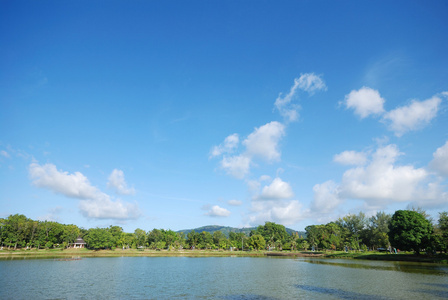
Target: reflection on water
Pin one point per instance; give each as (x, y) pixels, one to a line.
(232, 278)
(410, 267)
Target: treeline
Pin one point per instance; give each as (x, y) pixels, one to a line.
(405, 230)
(18, 231)
(409, 230)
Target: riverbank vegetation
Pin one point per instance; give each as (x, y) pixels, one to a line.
(353, 236)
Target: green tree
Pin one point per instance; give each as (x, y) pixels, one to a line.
(312, 235)
(170, 238)
(272, 233)
(237, 240)
(219, 239)
(257, 242)
(377, 233)
(442, 232)
(154, 237)
(99, 238)
(410, 230)
(116, 232)
(70, 233)
(206, 240)
(354, 224)
(140, 237)
(192, 239)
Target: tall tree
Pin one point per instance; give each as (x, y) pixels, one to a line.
(192, 239)
(354, 224)
(410, 230)
(140, 237)
(442, 230)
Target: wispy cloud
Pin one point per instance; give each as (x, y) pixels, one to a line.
(440, 161)
(308, 82)
(118, 183)
(350, 158)
(228, 146)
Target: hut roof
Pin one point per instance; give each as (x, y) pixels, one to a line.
(79, 240)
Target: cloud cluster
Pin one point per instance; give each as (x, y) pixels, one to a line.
(416, 115)
(262, 143)
(272, 202)
(93, 202)
(282, 212)
(380, 180)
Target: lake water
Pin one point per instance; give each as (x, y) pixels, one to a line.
(220, 278)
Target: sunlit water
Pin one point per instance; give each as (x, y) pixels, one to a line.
(220, 278)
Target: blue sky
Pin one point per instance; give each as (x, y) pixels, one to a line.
(176, 114)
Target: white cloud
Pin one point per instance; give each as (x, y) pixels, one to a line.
(281, 212)
(228, 146)
(277, 190)
(4, 153)
(117, 183)
(381, 180)
(326, 197)
(263, 142)
(308, 82)
(412, 117)
(365, 102)
(216, 211)
(237, 166)
(350, 158)
(440, 160)
(234, 202)
(71, 185)
(94, 203)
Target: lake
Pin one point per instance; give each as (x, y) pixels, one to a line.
(220, 278)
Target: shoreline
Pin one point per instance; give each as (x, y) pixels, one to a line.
(70, 253)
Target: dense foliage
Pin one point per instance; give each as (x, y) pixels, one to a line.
(410, 230)
(405, 230)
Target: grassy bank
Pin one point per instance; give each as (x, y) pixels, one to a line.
(68, 253)
(55, 253)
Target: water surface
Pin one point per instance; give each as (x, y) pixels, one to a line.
(220, 278)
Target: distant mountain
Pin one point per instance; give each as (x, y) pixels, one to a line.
(226, 230)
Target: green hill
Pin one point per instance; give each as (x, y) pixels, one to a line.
(226, 230)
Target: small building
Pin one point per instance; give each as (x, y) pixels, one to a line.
(79, 243)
